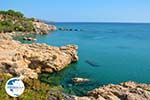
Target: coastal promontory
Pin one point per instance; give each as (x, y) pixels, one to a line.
(29, 60)
(16, 22)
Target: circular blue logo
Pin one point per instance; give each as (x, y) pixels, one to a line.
(14, 87)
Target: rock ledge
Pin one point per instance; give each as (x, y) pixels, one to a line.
(29, 60)
(124, 91)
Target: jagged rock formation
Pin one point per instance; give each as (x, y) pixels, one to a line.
(123, 91)
(30, 59)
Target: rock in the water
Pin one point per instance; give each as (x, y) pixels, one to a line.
(29, 39)
(80, 80)
(30, 59)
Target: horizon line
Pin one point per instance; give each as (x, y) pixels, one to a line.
(98, 22)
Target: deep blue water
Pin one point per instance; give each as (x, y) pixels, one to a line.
(120, 52)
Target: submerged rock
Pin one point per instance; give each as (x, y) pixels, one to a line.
(68, 29)
(92, 64)
(29, 60)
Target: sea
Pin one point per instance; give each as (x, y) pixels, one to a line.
(109, 53)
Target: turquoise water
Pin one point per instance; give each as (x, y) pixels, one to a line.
(108, 53)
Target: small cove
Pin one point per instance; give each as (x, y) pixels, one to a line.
(108, 53)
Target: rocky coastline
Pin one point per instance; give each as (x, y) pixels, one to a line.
(42, 28)
(124, 91)
(29, 60)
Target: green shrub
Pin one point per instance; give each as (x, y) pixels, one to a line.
(15, 21)
(6, 26)
(12, 13)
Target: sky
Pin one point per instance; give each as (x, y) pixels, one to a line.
(82, 10)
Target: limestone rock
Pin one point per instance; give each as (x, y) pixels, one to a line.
(124, 91)
(5, 36)
(42, 28)
(31, 59)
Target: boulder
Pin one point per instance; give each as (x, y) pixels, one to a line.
(80, 80)
(29, 39)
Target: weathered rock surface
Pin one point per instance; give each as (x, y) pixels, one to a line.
(42, 28)
(30, 59)
(6, 36)
(123, 91)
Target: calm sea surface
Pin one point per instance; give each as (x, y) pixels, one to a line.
(108, 53)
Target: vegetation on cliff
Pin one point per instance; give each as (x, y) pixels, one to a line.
(15, 21)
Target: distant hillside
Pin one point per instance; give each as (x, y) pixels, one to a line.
(15, 21)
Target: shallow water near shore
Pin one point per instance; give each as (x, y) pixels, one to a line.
(108, 53)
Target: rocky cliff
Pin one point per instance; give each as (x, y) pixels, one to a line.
(28, 60)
